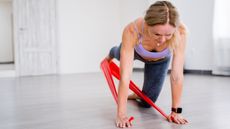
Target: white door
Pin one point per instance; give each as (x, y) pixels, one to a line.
(35, 37)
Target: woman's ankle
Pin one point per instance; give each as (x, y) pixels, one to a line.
(109, 58)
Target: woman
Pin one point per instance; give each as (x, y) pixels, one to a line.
(153, 39)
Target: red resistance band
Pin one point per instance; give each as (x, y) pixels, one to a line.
(111, 69)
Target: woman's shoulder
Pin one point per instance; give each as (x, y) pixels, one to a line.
(178, 42)
(130, 31)
(182, 29)
(181, 37)
(139, 20)
(134, 25)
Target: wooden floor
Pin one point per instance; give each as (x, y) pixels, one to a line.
(83, 101)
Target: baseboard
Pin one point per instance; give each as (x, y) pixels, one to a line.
(201, 72)
(186, 71)
(138, 69)
(7, 62)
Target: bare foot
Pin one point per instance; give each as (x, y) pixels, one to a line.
(133, 96)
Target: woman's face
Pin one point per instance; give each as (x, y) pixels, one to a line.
(161, 33)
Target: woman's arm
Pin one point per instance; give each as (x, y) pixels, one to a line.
(177, 77)
(126, 66)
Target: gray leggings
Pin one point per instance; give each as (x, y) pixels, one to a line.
(154, 75)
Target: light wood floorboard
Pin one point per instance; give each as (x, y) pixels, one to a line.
(83, 101)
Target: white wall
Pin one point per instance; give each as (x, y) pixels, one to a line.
(130, 11)
(87, 30)
(6, 44)
(198, 16)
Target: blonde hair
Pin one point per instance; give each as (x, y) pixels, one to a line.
(164, 12)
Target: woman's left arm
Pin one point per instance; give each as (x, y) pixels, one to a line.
(177, 77)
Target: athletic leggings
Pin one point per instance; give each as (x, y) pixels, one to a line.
(154, 74)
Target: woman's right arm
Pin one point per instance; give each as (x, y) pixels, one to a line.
(126, 66)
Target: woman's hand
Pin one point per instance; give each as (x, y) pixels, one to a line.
(123, 121)
(176, 118)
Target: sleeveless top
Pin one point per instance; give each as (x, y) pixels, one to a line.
(145, 53)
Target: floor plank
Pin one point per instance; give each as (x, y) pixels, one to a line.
(83, 101)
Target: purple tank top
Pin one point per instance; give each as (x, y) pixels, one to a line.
(147, 54)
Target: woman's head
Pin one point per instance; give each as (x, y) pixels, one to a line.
(161, 33)
(162, 19)
(160, 13)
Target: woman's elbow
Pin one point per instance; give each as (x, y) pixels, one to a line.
(176, 79)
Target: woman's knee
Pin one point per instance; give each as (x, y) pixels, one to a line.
(115, 52)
